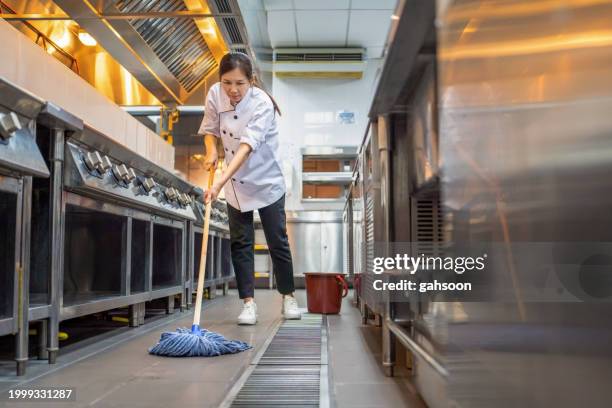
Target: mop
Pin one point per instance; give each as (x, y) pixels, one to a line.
(198, 341)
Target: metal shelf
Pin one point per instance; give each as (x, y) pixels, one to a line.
(332, 177)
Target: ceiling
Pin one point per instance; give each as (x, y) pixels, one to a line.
(318, 23)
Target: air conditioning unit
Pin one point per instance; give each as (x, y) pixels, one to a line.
(345, 63)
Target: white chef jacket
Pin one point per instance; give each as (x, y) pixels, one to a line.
(259, 181)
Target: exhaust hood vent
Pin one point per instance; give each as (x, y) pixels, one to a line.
(283, 56)
(177, 42)
(223, 6)
(232, 29)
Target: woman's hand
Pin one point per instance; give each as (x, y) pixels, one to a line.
(212, 193)
(210, 160)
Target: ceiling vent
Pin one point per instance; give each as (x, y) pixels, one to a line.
(347, 63)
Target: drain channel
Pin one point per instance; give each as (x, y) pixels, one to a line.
(292, 371)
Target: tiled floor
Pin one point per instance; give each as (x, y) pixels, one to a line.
(354, 359)
(125, 375)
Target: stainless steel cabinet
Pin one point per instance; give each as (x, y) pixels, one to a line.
(316, 241)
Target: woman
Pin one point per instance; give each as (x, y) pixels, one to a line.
(244, 117)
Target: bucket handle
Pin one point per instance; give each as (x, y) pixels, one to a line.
(342, 282)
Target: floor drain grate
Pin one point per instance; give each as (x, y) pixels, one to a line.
(292, 371)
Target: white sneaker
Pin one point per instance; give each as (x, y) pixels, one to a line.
(248, 314)
(290, 308)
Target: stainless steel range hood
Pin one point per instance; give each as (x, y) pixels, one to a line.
(166, 53)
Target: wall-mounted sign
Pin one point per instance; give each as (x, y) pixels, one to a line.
(346, 118)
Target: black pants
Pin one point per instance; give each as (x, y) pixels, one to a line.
(242, 237)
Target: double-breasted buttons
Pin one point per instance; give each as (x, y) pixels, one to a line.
(259, 181)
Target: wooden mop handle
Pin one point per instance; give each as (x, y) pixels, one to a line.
(202, 271)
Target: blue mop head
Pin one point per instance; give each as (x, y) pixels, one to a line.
(196, 342)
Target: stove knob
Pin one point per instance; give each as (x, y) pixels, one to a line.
(171, 193)
(93, 160)
(120, 171)
(104, 164)
(9, 124)
(148, 184)
(186, 200)
(130, 176)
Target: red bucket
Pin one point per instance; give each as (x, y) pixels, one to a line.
(324, 292)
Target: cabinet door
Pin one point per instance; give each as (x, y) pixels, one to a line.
(331, 247)
(305, 242)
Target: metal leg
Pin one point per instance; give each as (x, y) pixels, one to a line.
(187, 296)
(388, 341)
(23, 274)
(170, 305)
(21, 367)
(183, 302)
(388, 353)
(364, 313)
(133, 315)
(58, 212)
(141, 313)
(212, 291)
(225, 288)
(53, 354)
(43, 353)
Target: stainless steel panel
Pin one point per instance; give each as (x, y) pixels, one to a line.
(305, 243)
(347, 236)
(39, 312)
(525, 102)
(408, 34)
(106, 145)
(20, 154)
(70, 312)
(314, 216)
(373, 218)
(315, 238)
(331, 247)
(7, 326)
(423, 129)
(78, 178)
(157, 294)
(18, 150)
(54, 117)
(341, 178)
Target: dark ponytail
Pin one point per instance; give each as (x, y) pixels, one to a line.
(233, 60)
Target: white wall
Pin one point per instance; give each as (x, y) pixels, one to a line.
(309, 118)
